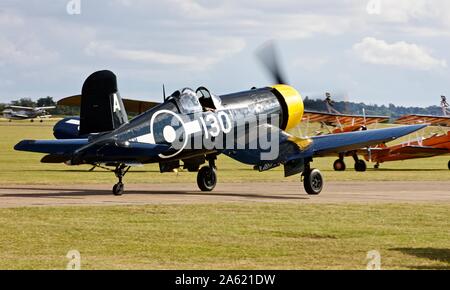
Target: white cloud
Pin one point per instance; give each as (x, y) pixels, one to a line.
(374, 51)
(25, 52)
(8, 19)
(213, 52)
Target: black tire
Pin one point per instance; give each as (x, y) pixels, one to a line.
(313, 182)
(449, 165)
(376, 166)
(339, 165)
(118, 189)
(360, 166)
(207, 179)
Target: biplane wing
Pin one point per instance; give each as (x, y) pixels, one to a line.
(134, 106)
(420, 151)
(21, 108)
(424, 119)
(46, 108)
(342, 119)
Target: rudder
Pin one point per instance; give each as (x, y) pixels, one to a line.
(102, 109)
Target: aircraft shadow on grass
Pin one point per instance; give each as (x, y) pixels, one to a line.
(89, 192)
(438, 255)
(238, 169)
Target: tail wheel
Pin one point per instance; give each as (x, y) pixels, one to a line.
(339, 165)
(207, 178)
(313, 182)
(360, 166)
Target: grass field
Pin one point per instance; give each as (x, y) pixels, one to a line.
(25, 168)
(226, 236)
(222, 235)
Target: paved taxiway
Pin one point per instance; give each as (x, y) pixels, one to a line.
(334, 192)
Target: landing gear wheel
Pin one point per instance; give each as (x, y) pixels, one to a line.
(449, 165)
(376, 166)
(339, 165)
(360, 166)
(118, 189)
(120, 172)
(313, 182)
(207, 178)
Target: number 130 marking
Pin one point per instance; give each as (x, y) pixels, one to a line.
(218, 123)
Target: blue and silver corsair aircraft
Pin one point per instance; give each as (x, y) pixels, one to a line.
(191, 128)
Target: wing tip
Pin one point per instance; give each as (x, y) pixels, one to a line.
(23, 145)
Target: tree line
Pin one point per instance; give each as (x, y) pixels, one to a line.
(344, 107)
(390, 110)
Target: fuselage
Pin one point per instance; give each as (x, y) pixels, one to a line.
(194, 127)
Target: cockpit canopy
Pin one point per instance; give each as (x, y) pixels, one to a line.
(201, 100)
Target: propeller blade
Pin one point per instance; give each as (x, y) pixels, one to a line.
(268, 56)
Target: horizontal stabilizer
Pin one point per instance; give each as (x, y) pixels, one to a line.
(55, 147)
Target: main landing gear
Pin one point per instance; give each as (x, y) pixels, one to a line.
(449, 164)
(360, 165)
(339, 165)
(120, 172)
(312, 180)
(207, 177)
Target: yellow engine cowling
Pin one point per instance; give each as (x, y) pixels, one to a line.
(293, 102)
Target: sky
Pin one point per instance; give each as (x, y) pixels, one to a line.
(372, 51)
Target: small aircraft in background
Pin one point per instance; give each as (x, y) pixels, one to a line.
(435, 145)
(26, 113)
(165, 133)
